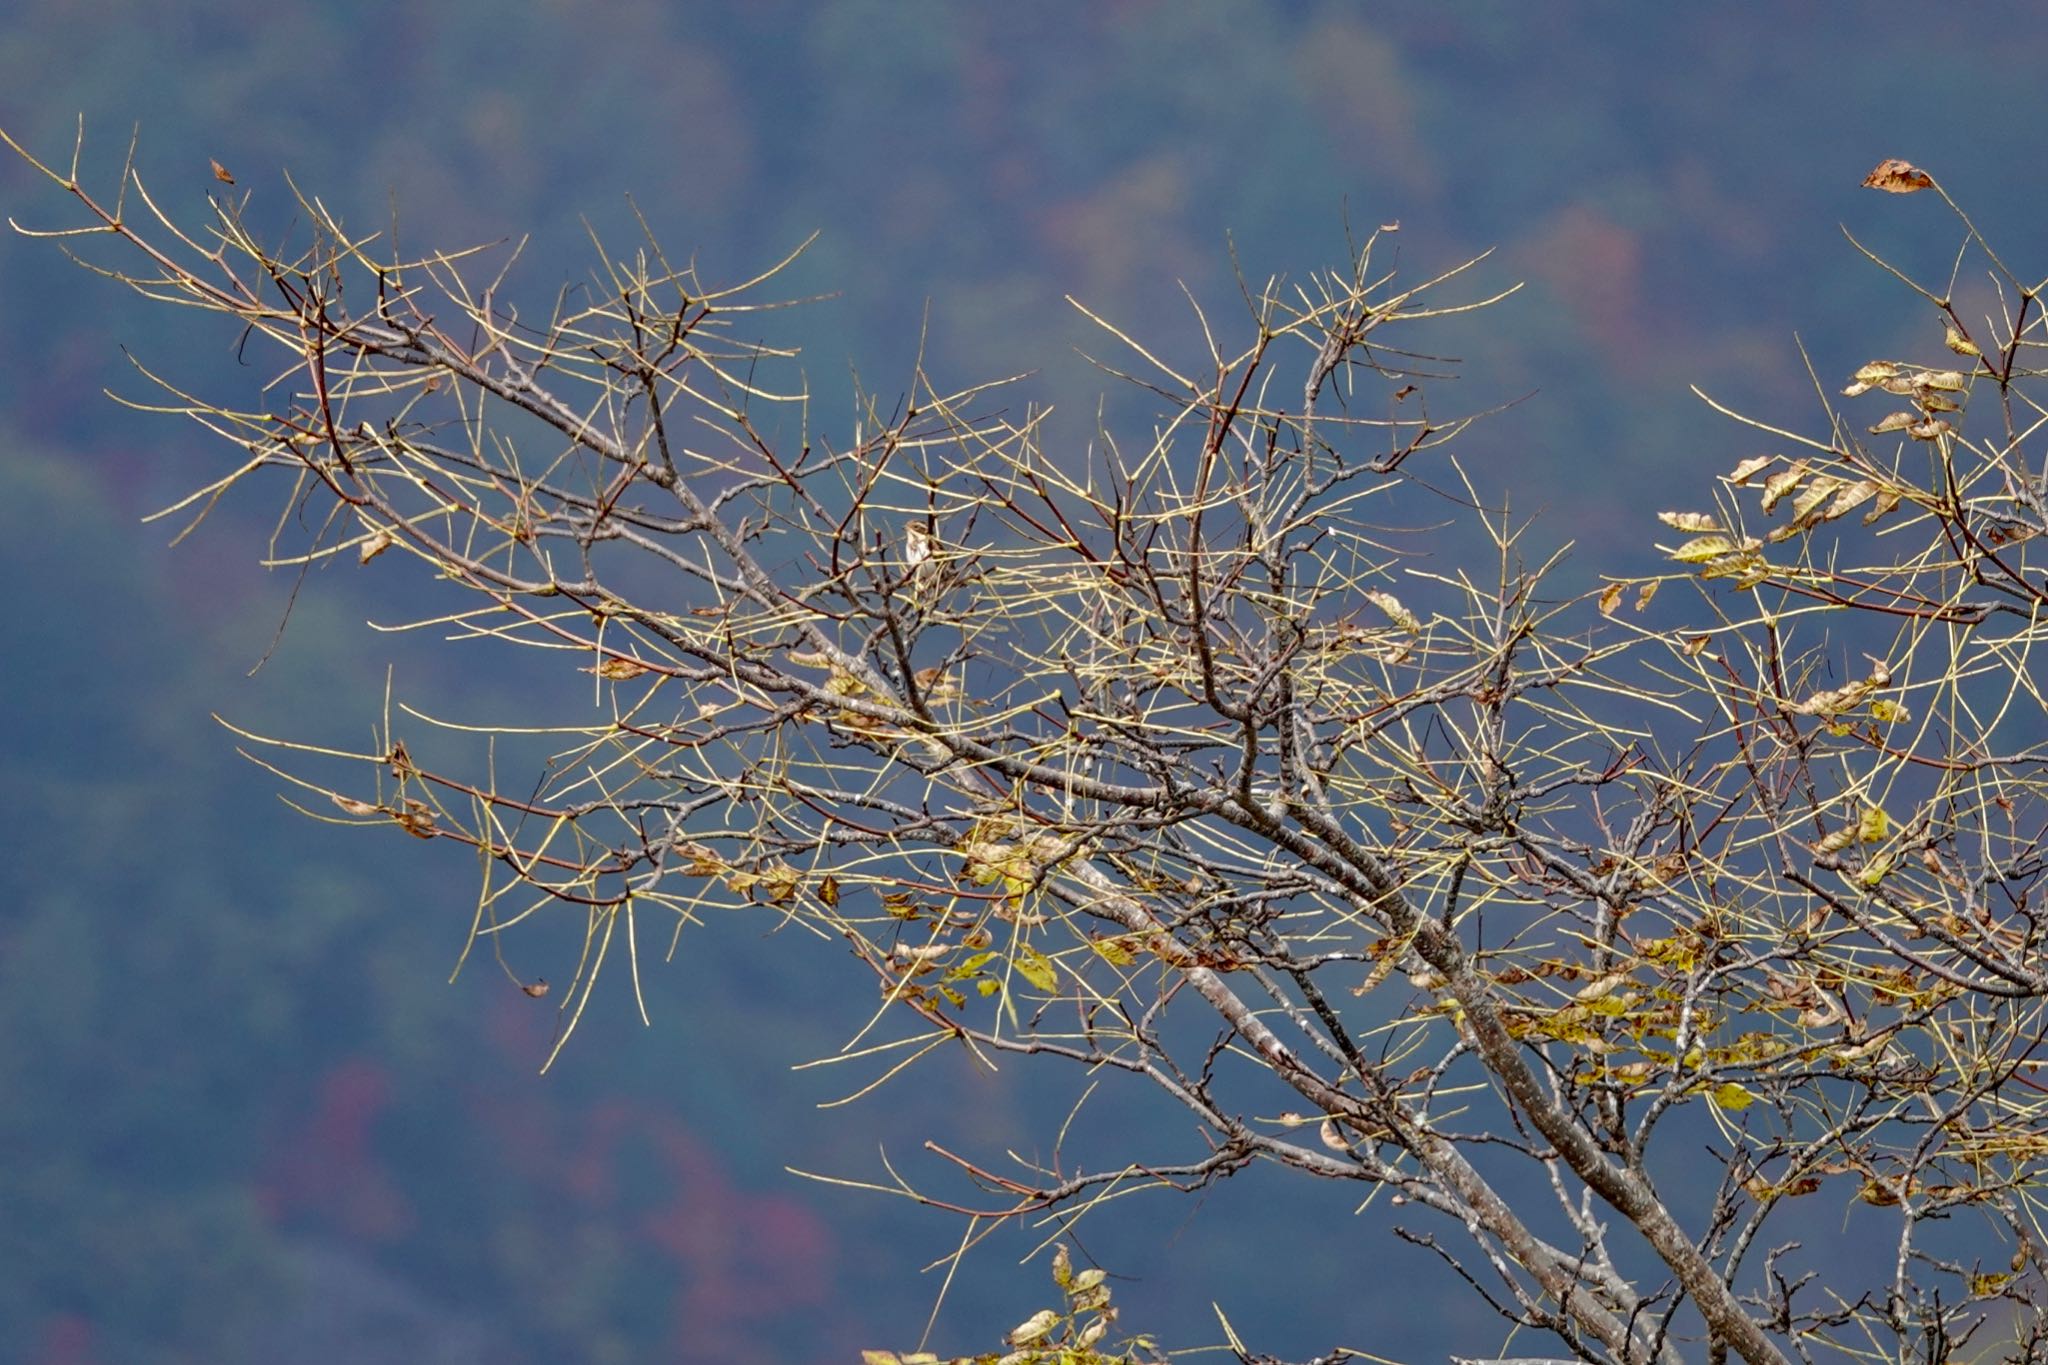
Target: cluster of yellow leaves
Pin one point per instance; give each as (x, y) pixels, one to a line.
(1068, 1335)
(1930, 392)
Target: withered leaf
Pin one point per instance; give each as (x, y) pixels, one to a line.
(1783, 482)
(1750, 468)
(537, 988)
(617, 669)
(1610, 597)
(417, 818)
(1886, 501)
(351, 805)
(1851, 497)
(1894, 176)
(1395, 612)
(220, 172)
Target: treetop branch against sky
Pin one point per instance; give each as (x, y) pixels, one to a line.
(1600, 938)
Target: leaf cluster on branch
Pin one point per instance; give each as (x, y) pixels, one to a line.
(1169, 760)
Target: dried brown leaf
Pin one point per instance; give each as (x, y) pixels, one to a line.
(1894, 176)
(1750, 468)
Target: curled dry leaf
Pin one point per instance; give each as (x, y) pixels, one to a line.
(618, 670)
(1781, 483)
(417, 818)
(1689, 521)
(1750, 468)
(351, 805)
(1894, 176)
(537, 988)
(1037, 1327)
(1960, 344)
(1610, 597)
(220, 172)
(1850, 498)
(1395, 612)
(375, 545)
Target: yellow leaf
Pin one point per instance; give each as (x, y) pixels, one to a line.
(828, 890)
(1961, 344)
(1732, 1097)
(1610, 597)
(618, 670)
(1114, 951)
(1700, 549)
(1945, 381)
(1876, 372)
(1689, 521)
(1898, 421)
(1035, 967)
(1874, 826)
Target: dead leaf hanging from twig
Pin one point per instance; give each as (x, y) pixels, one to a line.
(1898, 177)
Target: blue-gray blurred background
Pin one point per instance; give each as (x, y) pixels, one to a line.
(244, 1116)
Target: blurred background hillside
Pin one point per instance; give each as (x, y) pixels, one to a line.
(244, 1116)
